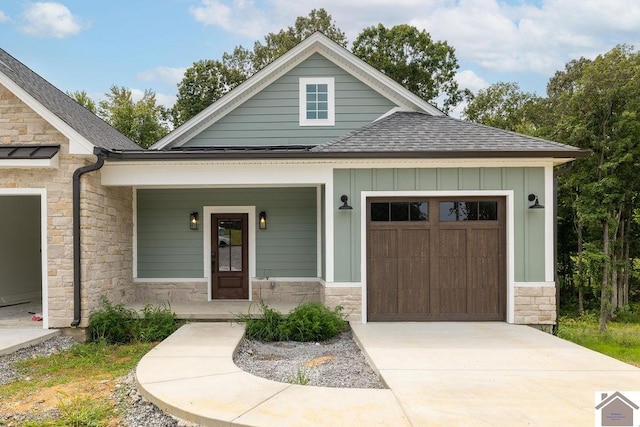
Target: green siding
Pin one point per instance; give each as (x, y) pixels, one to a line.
(168, 249)
(271, 116)
(528, 224)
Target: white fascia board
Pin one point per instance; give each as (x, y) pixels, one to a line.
(77, 143)
(274, 172)
(52, 163)
(208, 174)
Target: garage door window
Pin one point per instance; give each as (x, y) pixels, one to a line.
(399, 211)
(468, 211)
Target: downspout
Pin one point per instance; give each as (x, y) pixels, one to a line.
(101, 154)
(560, 171)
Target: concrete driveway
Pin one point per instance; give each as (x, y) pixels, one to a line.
(491, 374)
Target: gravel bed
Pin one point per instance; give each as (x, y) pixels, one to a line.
(334, 363)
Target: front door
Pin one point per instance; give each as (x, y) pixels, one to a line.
(229, 260)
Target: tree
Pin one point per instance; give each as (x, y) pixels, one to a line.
(208, 80)
(83, 99)
(203, 83)
(143, 121)
(504, 106)
(414, 60)
(596, 107)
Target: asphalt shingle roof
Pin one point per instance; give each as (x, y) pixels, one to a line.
(414, 132)
(87, 124)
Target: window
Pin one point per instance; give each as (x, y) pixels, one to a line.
(317, 101)
(400, 211)
(468, 211)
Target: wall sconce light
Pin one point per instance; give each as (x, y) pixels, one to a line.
(262, 220)
(536, 204)
(344, 199)
(193, 221)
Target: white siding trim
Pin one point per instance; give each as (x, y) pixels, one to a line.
(328, 231)
(510, 229)
(134, 206)
(319, 230)
(171, 280)
(549, 249)
(342, 284)
(206, 231)
(42, 192)
(551, 284)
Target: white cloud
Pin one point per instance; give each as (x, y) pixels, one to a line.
(3, 17)
(168, 75)
(468, 79)
(48, 19)
(161, 99)
(240, 17)
(536, 37)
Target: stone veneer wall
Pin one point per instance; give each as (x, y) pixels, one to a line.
(107, 243)
(171, 292)
(283, 291)
(535, 305)
(106, 255)
(349, 298)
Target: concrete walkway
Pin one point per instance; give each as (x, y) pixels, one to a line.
(17, 330)
(487, 374)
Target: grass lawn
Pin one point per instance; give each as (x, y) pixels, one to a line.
(72, 388)
(620, 341)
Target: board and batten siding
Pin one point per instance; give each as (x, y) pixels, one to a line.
(529, 226)
(271, 116)
(167, 248)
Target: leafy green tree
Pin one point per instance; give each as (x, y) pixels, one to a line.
(83, 99)
(504, 106)
(596, 106)
(144, 122)
(414, 60)
(204, 82)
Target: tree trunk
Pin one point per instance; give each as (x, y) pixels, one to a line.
(580, 268)
(580, 301)
(605, 291)
(628, 263)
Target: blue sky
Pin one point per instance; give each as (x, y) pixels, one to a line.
(147, 44)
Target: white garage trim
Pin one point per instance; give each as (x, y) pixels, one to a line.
(510, 229)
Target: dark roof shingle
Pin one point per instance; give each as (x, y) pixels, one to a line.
(413, 132)
(87, 124)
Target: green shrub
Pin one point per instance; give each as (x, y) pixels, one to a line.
(156, 323)
(265, 328)
(311, 321)
(116, 324)
(112, 324)
(630, 314)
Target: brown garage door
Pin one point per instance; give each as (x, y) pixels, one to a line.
(436, 259)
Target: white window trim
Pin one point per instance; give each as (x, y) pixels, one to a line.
(302, 88)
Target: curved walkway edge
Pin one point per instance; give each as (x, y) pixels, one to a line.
(439, 374)
(192, 375)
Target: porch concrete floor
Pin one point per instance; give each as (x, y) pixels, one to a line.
(222, 311)
(17, 330)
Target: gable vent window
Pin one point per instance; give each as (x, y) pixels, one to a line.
(317, 104)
